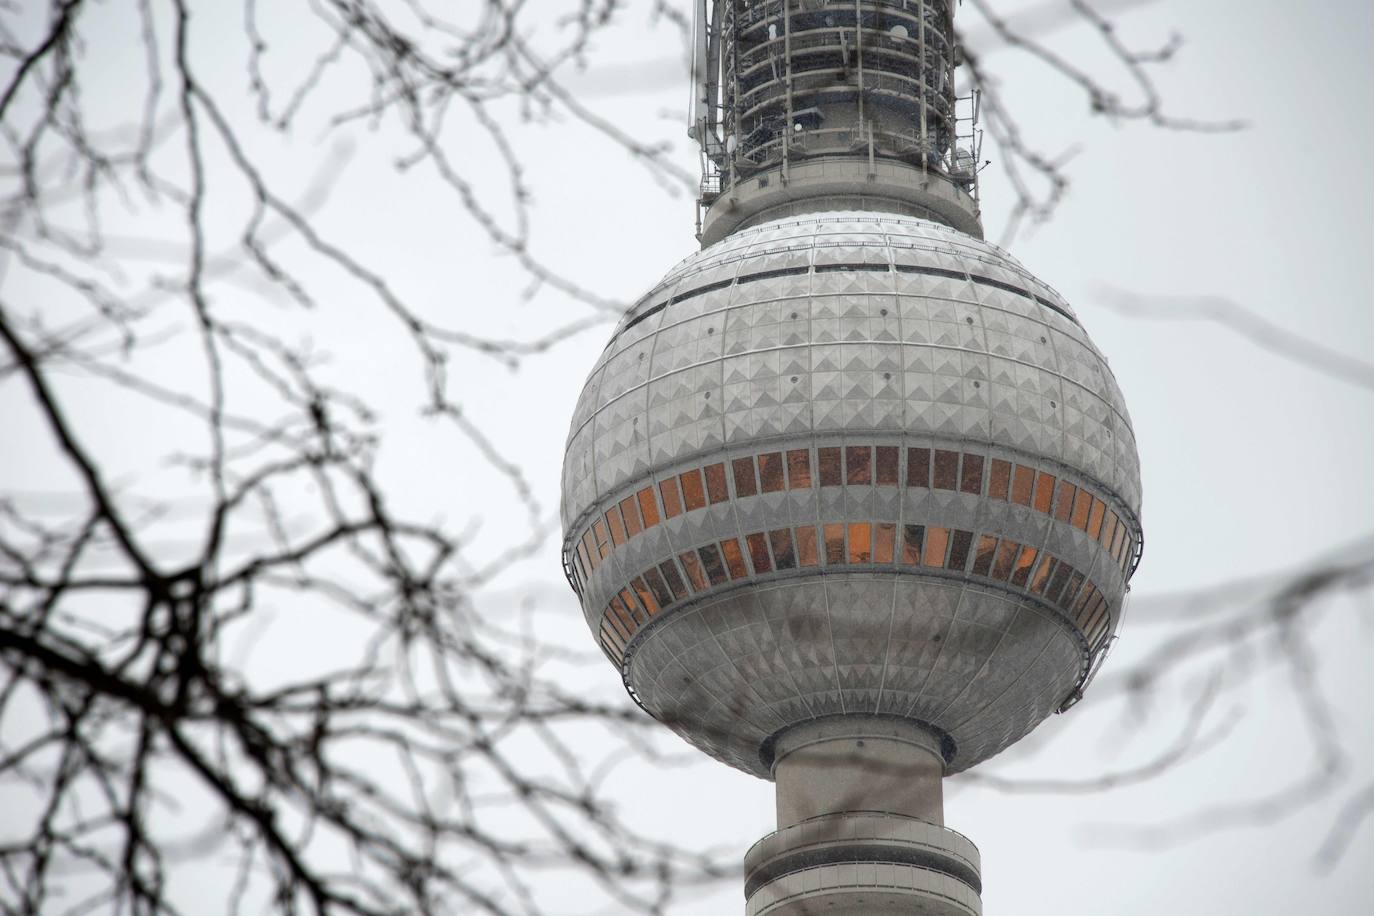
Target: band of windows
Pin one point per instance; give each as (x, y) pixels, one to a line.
(857, 465)
(853, 544)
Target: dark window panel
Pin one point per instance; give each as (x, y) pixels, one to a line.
(658, 587)
(1044, 492)
(888, 459)
(971, 475)
(734, 558)
(648, 507)
(746, 484)
(960, 543)
(884, 543)
(1099, 511)
(858, 464)
(1062, 572)
(834, 545)
(806, 546)
(646, 597)
(695, 573)
(982, 558)
(712, 563)
(693, 490)
(585, 556)
(860, 542)
(672, 497)
(937, 544)
(630, 511)
(1006, 556)
(1063, 505)
(758, 553)
(783, 553)
(674, 579)
(999, 478)
(770, 472)
(829, 458)
(1071, 590)
(1042, 574)
(1022, 484)
(946, 469)
(1084, 598)
(621, 619)
(918, 467)
(716, 488)
(1024, 564)
(799, 469)
(913, 536)
(611, 636)
(1082, 505)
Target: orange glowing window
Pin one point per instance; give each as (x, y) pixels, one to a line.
(799, 469)
(937, 544)
(971, 475)
(829, 459)
(617, 526)
(912, 538)
(888, 460)
(1025, 562)
(999, 478)
(636, 612)
(734, 558)
(672, 497)
(807, 553)
(1099, 510)
(716, 488)
(1082, 505)
(630, 510)
(918, 467)
(1109, 529)
(646, 597)
(770, 471)
(714, 566)
(946, 469)
(1022, 484)
(658, 587)
(695, 574)
(982, 557)
(884, 542)
(648, 508)
(1044, 492)
(758, 553)
(783, 552)
(860, 543)
(959, 544)
(746, 484)
(693, 490)
(621, 620)
(858, 465)
(1042, 574)
(834, 545)
(674, 579)
(1063, 506)
(1006, 556)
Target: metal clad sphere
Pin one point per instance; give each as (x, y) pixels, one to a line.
(851, 463)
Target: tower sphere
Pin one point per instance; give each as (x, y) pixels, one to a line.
(851, 463)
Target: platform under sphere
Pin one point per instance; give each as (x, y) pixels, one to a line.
(851, 463)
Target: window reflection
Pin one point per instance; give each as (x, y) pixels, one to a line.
(1071, 590)
(1021, 485)
(799, 469)
(1109, 529)
(960, 542)
(1095, 518)
(834, 545)
(714, 566)
(884, 542)
(674, 579)
(858, 465)
(937, 543)
(715, 484)
(636, 612)
(1062, 572)
(646, 597)
(1024, 563)
(1042, 574)
(946, 469)
(746, 484)
(912, 538)
(630, 510)
(1063, 506)
(770, 472)
(888, 459)
(758, 553)
(806, 546)
(783, 554)
(1044, 492)
(610, 637)
(971, 475)
(982, 557)
(999, 478)
(647, 507)
(658, 587)
(621, 620)
(617, 526)
(695, 574)
(1006, 555)
(603, 540)
(734, 558)
(1082, 505)
(860, 543)
(693, 490)
(918, 467)
(672, 499)
(829, 459)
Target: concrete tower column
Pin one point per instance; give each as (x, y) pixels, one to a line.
(860, 826)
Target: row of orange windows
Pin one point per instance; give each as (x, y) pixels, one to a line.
(859, 465)
(851, 544)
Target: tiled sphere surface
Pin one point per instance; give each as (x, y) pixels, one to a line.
(963, 568)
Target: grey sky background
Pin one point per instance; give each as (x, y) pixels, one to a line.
(1253, 465)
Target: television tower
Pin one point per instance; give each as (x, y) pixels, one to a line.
(850, 499)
